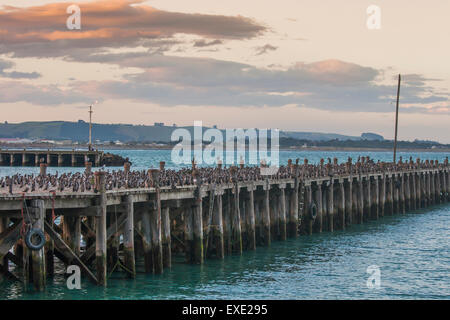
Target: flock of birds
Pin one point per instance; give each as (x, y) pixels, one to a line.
(127, 179)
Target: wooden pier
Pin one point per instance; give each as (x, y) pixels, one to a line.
(202, 221)
(58, 158)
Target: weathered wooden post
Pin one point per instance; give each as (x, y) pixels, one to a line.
(198, 221)
(423, 192)
(330, 205)
(49, 249)
(307, 217)
(155, 225)
(100, 239)
(374, 201)
(166, 239)
(128, 237)
(236, 235)
(360, 200)
(266, 215)
(227, 222)
(419, 202)
(402, 194)
(243, 216)
(445, 186)
(71, 227)
(355, 195)
(282, 212)
(438, 187)
(382, 197)
(390, 195)
(407, 192)
(60, 160)
(413, 191)
(367, 199)
(348, 192)
(189, 233)
(341, 205)
(445, 182)
(318, 198)
(250, 207)
(292, 225)
(38, 256)
(396, 200)
(274, 214)
(432, 182)
(258, 218)
(426, 189)
(217, 233)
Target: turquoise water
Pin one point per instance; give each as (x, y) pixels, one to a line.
(412, 252)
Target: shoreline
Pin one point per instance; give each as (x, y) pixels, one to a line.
(108, 148)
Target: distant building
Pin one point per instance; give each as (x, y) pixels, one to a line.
(159, 124)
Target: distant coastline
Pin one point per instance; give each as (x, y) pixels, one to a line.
(44, 146)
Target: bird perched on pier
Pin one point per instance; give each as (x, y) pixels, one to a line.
(120, 179)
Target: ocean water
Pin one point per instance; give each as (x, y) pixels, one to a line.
(412, 252)
(145, 159)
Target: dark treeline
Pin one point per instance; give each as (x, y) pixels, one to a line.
(291, 142)
(383, 144)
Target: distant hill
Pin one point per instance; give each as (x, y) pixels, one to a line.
(79, 131)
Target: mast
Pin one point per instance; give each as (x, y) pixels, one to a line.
(396, 118)
(90, 127)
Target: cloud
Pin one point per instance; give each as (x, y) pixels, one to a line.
(264, 49)
(40, 31)
(4, 64)
(203, 43)
(13, 91)
(328, 85)
(331, 84)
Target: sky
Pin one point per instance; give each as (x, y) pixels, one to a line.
(298, 65)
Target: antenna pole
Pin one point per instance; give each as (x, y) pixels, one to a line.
(396, 118)
(90, 127)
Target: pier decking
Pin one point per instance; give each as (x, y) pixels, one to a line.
(203, 220)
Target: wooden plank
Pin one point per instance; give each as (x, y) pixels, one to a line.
(109, 233)
(9, 237)
(65, 250)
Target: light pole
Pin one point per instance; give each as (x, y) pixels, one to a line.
(90, 125)
(396, 118)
